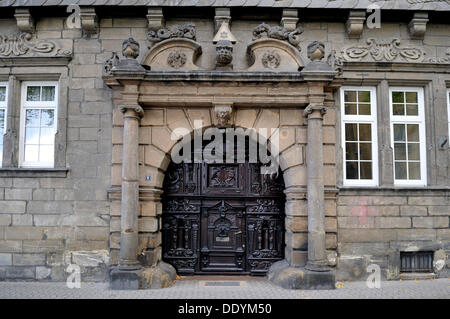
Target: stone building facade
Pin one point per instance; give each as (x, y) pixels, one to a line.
(90, 98)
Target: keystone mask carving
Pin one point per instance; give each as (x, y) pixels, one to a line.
(224, 54)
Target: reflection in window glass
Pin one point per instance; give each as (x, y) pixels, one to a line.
(2, 93)
(3, 104)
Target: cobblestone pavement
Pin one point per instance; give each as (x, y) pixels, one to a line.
(249, 288)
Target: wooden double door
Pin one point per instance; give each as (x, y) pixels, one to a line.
(222, 218)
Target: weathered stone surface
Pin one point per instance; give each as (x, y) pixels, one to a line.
(430, 222)
(12, 207)
(351, 268)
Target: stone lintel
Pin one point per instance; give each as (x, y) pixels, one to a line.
(155, 18)
(25, 21)
(355, 23)
(289, 19)
(418, 25)
(89, 20)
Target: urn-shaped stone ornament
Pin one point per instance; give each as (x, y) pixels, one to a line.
(224, 55)
(130, 48)
(316, 51)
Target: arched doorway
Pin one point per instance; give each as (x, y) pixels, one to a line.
(222, 218)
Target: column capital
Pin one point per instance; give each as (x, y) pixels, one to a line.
(138, 110)
(315, 111)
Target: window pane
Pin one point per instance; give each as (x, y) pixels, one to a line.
(400, 170)
(33, 93)
(398, 109)
(352, 170)
(350, 109)
(46, 153)
(350, 96)
(364, 96)
(351, 133)
(366, 170)
(46, 136)
(413, 151)
(412, 109)
(398, 97)
(413, 132)
(364, 109)
(399, 132)
(32, 136)
(48, 93)
(414, 170)
(2, 93)
(365, 151)
(31, 153)
(400, 151)
(2, 118)
(48, 117)
(365, 132)
(32, 118)
(351, 151)
(411, 97)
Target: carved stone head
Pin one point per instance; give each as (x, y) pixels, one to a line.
(130, 49)
(316, 51)
(224, 53)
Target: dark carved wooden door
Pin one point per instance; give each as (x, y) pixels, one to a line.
(222, 218)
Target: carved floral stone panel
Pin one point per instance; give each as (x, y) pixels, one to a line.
(24, 44)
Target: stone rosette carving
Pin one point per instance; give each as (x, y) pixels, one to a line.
(186, 30)
(271, 60)
(176, 59)
(383, 51)
(277, 32)
(24, 44)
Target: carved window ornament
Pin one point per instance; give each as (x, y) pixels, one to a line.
(271, 60)
(24, 44)
(277, 32)
(223, 115)
(186, 30)
(176, 59)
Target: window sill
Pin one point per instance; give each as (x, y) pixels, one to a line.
(394, 188)
(33, 172)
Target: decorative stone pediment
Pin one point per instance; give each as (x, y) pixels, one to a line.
(272, 55)
(176, 54)
(25, 45)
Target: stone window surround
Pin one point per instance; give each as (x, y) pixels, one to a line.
(385, 152)
(448, 114)
(34, 69)
(4, 106)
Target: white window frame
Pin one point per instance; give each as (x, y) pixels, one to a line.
(408, 119)
(24, 104)
(362, 119)
(4, 106)
(448, 111)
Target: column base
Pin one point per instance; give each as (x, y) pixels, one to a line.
(288, 277)
(160, 276)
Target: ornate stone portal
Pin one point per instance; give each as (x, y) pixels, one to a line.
(140, 265)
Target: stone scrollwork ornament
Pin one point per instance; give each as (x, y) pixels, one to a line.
(23, 44)
(277, 32)
(186, 30)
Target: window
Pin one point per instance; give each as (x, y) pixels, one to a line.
(3, 111)
(359, 136)
(408, 135)
(38, 124)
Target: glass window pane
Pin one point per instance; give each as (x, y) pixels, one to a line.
(48, 117)
(365, 132)
(412, 109)
(47, 136)
(398, 97)
(33, 93)
(364, 96)
(400, 170)
(411, 97)
(31, 153)
(398, 109)
(46, 153)
(32, 118)
(364, 109)
(350, 96)
(2, 118)
(365, 151)
(350, 109)
(48, 93)
(351, 151)
(413, 132)
(366, 170)
(414, 170)
(414, 151)
(399, 132)
(32, 135)
(2, 93)
(400, 151)
(351, 132)
(352, 170)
